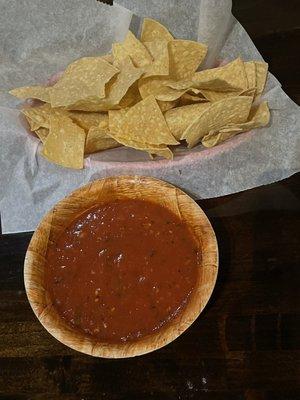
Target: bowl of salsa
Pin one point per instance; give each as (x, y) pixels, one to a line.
(121, 266)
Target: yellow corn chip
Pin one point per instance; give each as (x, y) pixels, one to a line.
(88, 120)
(145, 123)
(231, 110)
(250, 73)
(261, 69)
(248, 92)
(116, 118)
(119, 85)
(37, 117)
(259, 116)
(153, 30)
(188, 98)
(136, 50)
(82, 84)
(167, 105)
(160, 150)
(152, 85)
(64, 144)
(230, 77)
(131, 97)
(214, 96)
(119, 53)
(108, 57)
(32, 92)
(97, 139)
(42, 134)
(160, 54)
(185, 57)
(179, 118)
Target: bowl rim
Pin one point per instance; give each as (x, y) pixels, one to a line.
(57, 327)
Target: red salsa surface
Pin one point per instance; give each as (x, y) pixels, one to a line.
(122, 270)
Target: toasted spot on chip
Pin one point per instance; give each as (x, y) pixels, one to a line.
(261, 69)
(179, 118)
(32, 92)
(160, 54)
(64, 144)
(97, 139)
(153, 30)
(42, 134)
(185, 57)
(136, 50)
(231, 110)
(83, 82)
(145, 123)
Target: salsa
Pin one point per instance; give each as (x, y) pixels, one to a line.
(122, 270)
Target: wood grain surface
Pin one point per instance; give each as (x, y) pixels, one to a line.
(245, 345)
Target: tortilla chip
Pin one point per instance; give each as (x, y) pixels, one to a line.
(152, 86)
(88, 120)
(231, 77)
(116, 118)
(231, 110)
(185, 57)
(250, 70)
(65, 143)
(97, 139)
(160, 150)
(108, 57)
(117, 88)
(188, 98)
(131, 97)
(167, 105)
(261, 69)
(42, 134)
(160, 54)
(179, 118)
(136, 50)
(259, 116)
(82, 85)
(145, 123)
(32, 92)
(37, 117)
(214, 96)
(152, 30)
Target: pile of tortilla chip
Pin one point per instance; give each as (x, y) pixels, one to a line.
(147, 94)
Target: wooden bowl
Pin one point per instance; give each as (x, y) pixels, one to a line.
(106, 190)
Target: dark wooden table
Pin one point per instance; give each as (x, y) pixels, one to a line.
(246, 344)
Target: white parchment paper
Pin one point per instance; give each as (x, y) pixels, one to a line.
(39, 38)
